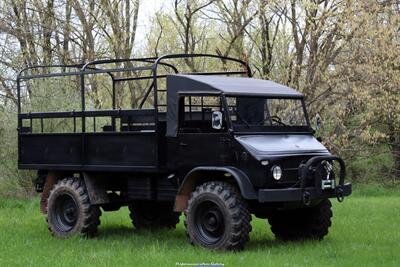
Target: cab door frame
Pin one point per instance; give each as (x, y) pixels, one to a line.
(202, 148)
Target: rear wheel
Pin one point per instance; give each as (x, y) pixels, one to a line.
(153, 215)
(217, 217)
(69, 211)
(304, 223)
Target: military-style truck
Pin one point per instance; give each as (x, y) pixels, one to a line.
(217, 147)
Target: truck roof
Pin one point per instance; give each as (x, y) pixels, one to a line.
(200, 84)
(206, 84)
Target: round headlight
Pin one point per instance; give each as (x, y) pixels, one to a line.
(276, 172)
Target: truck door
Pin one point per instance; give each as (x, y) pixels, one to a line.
(198, 142)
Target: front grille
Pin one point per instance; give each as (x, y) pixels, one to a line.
(290, 175)
(293, 162)
(290, 169)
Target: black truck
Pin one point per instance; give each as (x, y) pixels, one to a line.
(218, 147)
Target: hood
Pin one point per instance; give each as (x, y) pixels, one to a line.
(263, 146)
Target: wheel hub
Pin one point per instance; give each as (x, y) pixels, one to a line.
(70, 214)
(66, 213)
(210, 222)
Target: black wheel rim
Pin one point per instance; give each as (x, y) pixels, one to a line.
(65, 213)
(209, 223)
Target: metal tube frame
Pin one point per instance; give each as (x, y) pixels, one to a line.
(91, 68)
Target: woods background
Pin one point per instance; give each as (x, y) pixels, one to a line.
(343, 55)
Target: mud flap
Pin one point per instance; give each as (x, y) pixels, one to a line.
(51, 179)
(96, 189)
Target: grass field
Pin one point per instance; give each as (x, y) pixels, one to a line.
(365, 232)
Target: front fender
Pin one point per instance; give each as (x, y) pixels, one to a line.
(242, 180)
(198, 175)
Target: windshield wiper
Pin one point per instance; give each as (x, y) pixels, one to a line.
(278, 120)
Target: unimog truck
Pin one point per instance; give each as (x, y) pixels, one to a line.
(218, 146)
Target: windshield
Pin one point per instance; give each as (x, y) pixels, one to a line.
(260, 114)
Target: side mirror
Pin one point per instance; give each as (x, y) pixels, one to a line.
(216, 120)
(318, 122)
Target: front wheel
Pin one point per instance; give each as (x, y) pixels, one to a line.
(69, 211)
(302, 223)
(217, 217)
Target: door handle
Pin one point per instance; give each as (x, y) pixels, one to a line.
(182, 144)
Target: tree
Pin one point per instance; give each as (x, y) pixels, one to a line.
(235, 17)
(185, 20)
(372, 66)
(264, 35)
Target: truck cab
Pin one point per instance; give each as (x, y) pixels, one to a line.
(220, 149)
(253, 128)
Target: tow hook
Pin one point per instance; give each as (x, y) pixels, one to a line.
(339, 194)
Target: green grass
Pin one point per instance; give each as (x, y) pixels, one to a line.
(365, 232)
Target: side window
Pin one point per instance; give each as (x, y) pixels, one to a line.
(196, 113)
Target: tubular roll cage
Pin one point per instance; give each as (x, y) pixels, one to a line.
(139, 114)
(90, 68)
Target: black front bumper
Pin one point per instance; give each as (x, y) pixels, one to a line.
(307, 194)
(296, 194)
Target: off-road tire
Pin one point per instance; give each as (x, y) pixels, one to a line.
(69, 211)
(303, 223)
(217, 205)
(153, 215)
